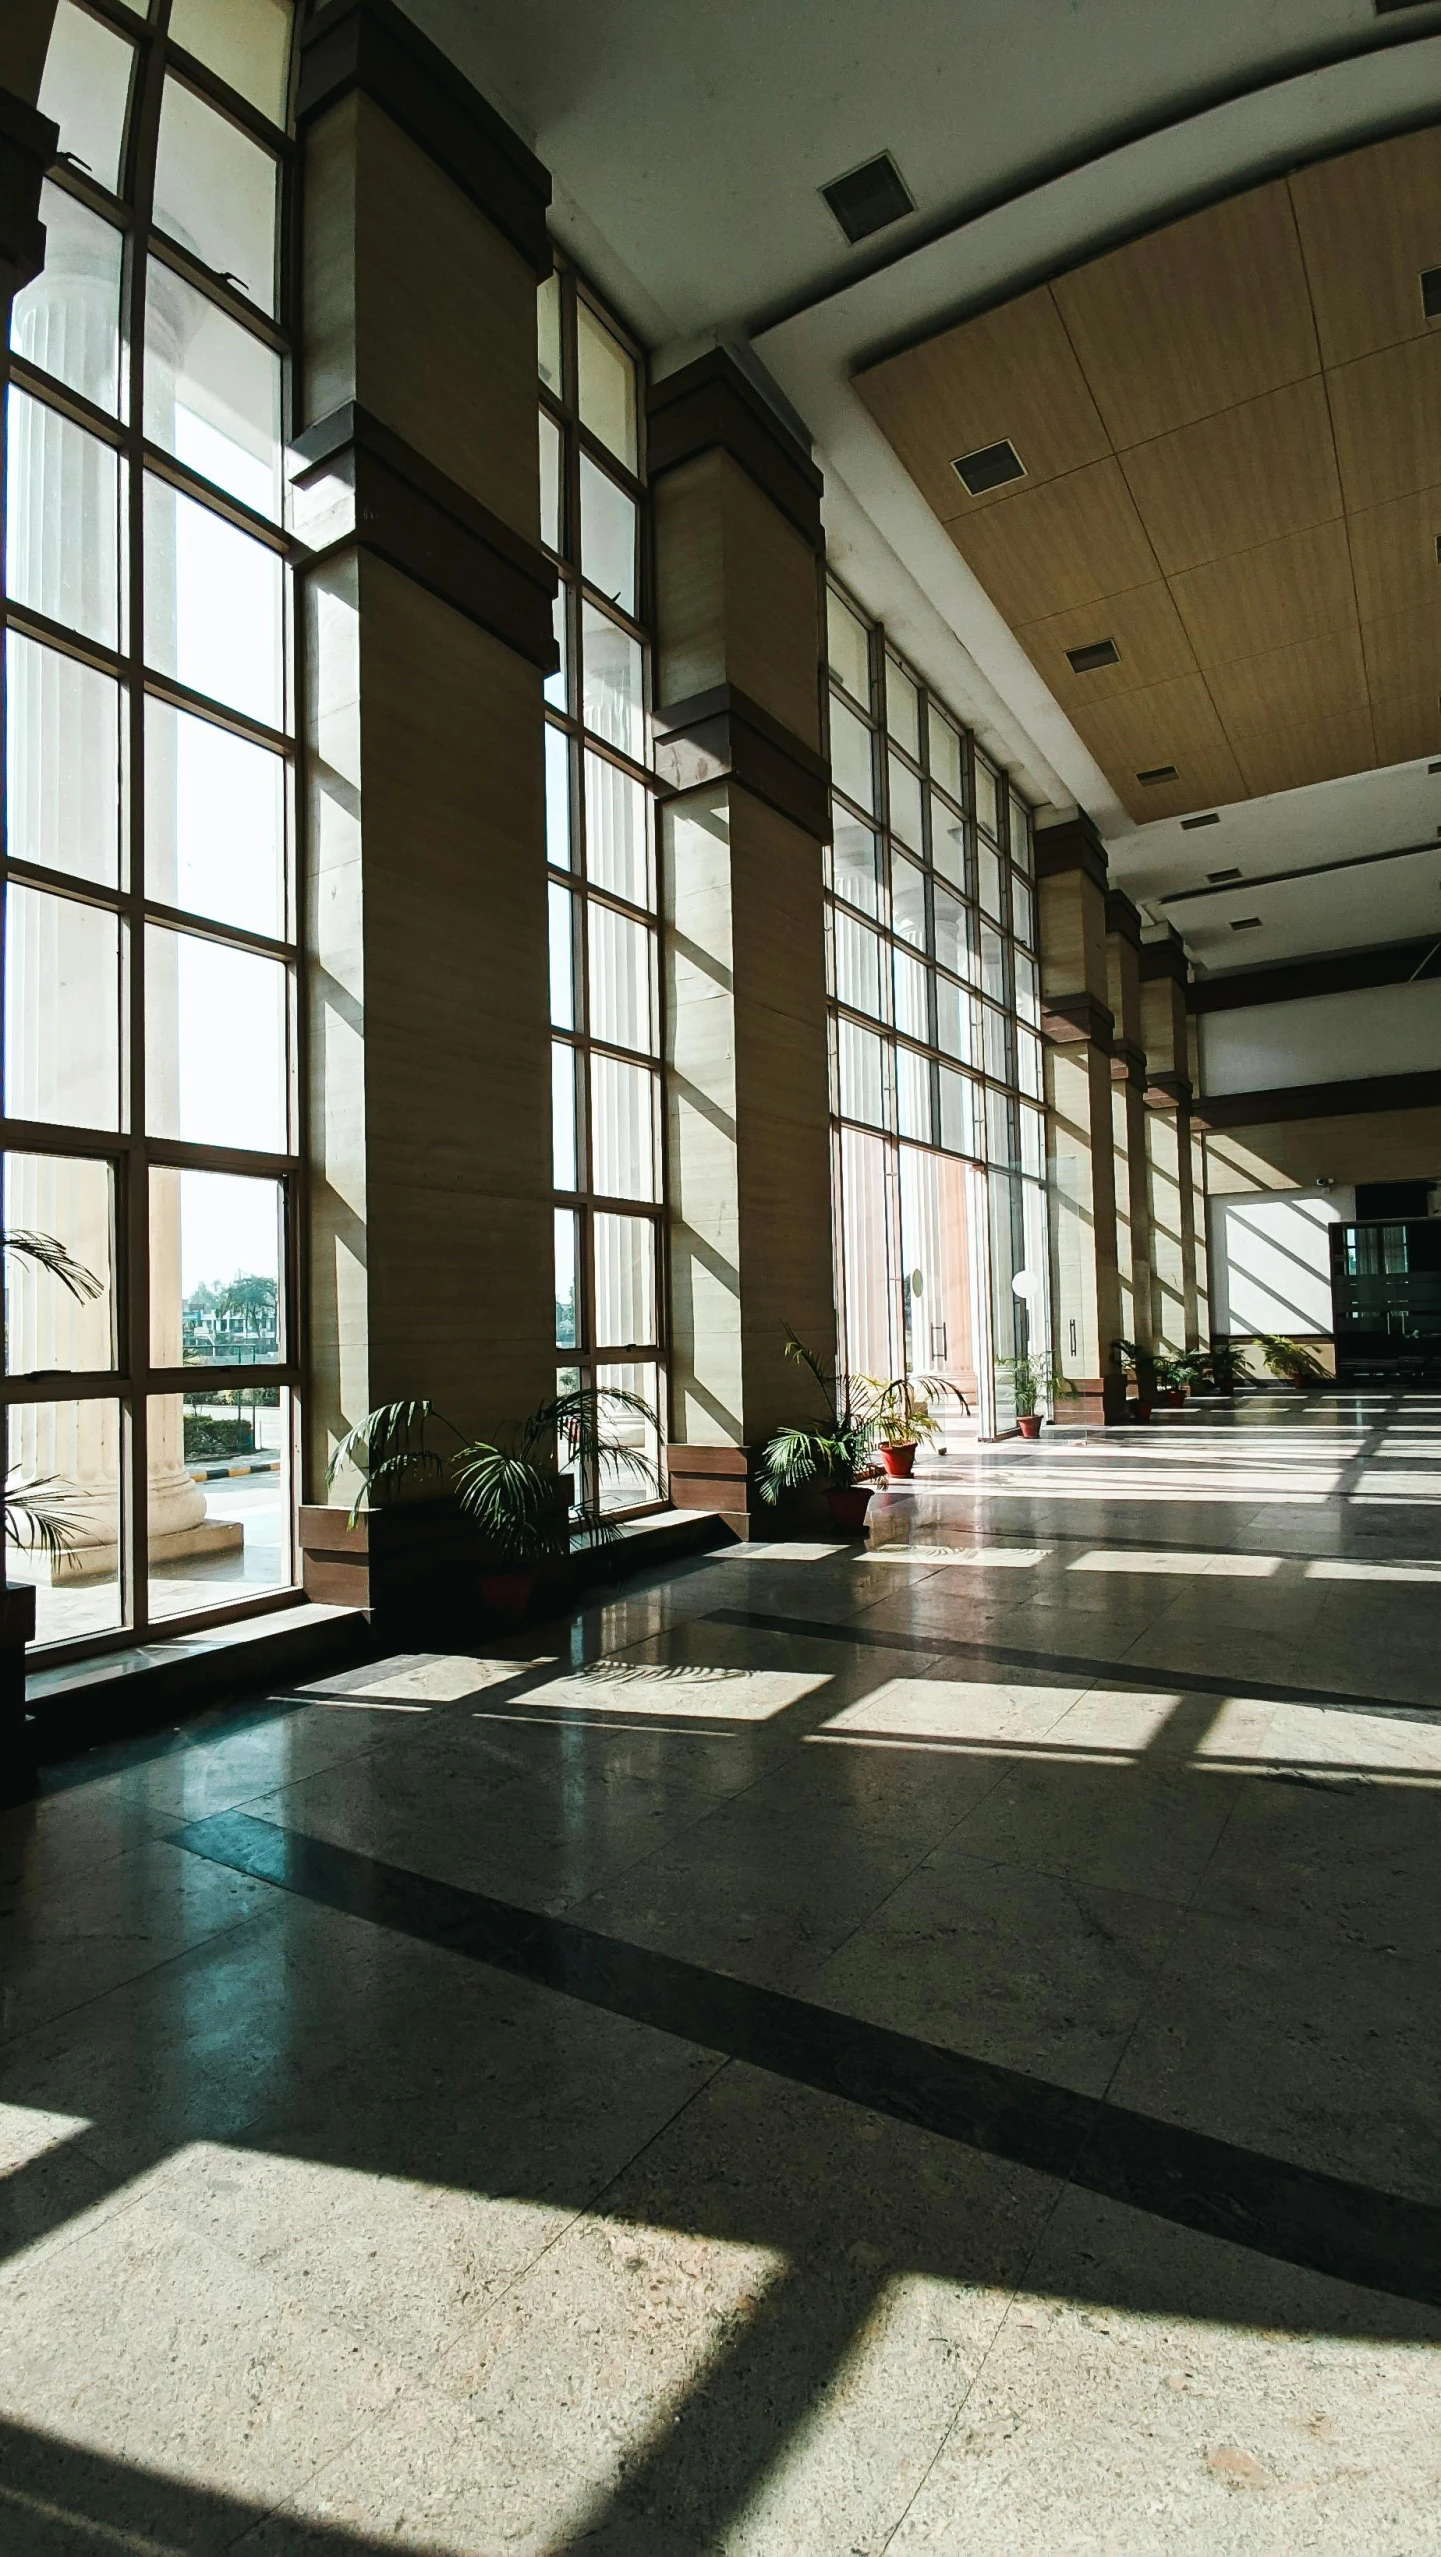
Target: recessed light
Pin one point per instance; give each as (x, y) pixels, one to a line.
(1158, 772)
(989, 467)
(1433, 767)
(1189, 824)
(867, 198)
(1216, 876)
(1431, 292)
(1098, 652)
(1246, 923)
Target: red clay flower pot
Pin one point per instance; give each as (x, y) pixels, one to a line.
(1029, 1424)
(848, 1507)
(899, 1459)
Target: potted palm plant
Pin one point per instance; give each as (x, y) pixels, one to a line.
(834, 1454)
(1224, 1367)
(38, 1519)
(508, 1488)
(1033, 1383)
(904, 1418)
(1291, 1361)
(1137, 1367)
(1175, 1371)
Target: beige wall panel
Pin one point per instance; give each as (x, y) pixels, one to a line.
(1145, 628)
(1195, 318)
(1072, 914)
(325, 373)
(1321, 750)
(690, 622)
(1393, 553)
(1050, 549)
(772, 618)
(1386, 412)
(1403, 652)
(460, 389)
(1307, 684)
(1407, 728)
(1011, 374)
(1235, 481)
(1267, 598)
(24, 36)
(1368, 226)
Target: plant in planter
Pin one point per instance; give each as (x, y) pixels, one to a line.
(509, 1488)
(1176, 1372)
(835, 1454)
(904, 1418)
(37, 1514)
(1034, 1383)
(1291, 1361)
(1138, 1367)
(1225, 1367)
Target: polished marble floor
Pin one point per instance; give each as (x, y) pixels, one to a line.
(923, 2047)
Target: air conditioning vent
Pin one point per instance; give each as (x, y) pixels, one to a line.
(1099, 652)
(1216, 876)
(991, 467)
(1246, 923)
(1158, 772)
(1431, 292)
(1189, 824)
(866, 199)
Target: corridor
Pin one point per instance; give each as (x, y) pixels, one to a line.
(918, 2047)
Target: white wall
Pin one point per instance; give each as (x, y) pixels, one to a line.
(1271, 1262)
(1328, 1038)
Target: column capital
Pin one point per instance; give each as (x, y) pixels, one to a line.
(1167, 1091)
(373, 47)
(1165, 958)
(723, 732)
(28, 143)
(1071, 844)
(1122, 917)
(1070, 1018)
(708, 406)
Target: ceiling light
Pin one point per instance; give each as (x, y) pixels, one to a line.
(866, 199)
(990, 467)
(1158, 772)
(1189, 824)
(1216, 876)
(1097, 652)
(1246, 923)
(1431, 292)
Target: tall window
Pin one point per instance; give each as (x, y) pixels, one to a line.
(936, 1054)
(601, 855)
(149, 917)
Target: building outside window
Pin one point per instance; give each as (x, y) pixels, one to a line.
(149, 921)
(936, 1077)
(601, 859)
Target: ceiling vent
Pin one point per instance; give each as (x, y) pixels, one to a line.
(1246, 923)
(1431, 292)
(1099, 652)
(1158, 772)
(866, 199)
(1189, 824)
(991, 467)
(1215, 877)
(1433, 767)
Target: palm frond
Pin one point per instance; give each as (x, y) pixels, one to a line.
(40, 1517)
(387, 1449)
(48, 1254)
(516, 1504)
(796, 1349)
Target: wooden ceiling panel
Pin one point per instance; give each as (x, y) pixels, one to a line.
(1303, 686)
(1386, 413)
(1370, 224)
(1209, 312)
(1146, 630)
(1394, 554)
(1407, 729)
(1171, 723)
(1403, 652)
(1319, 750)
(1238, 480)
(1011, 374)
(1048, 549)
(1267, 598)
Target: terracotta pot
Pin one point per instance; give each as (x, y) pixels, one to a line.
(898, 1458)
(848, 1508)
(1174, 1397)
(1141, 1410)
(1029, 1424)
(508, 1593)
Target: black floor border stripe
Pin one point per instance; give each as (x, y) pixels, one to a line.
(1119, 1673)
(1323, 2223)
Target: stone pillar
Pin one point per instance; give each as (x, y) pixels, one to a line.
(1079, 1028)
(1165, 1029)
(427, 636)
(1128, 1118)
(739, 673)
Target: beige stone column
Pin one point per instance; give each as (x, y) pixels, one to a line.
(426, 638)
(1128, 1118)
(1077, 1020)
(1166, 1033)
(739, 670)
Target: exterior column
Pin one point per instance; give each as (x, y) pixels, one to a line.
(1128, 1119)
(427, 628)
(1166, 1031)
(1079, 1029)
(739, 676)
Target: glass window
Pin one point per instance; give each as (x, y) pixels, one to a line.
(855, 862)
(859, 966)
(67, 320)
(606, 387)
(62, 529)
(227, 1535)
(557, 798)
(988, 880)
(1028, 989)
(630, 1481)
(946, 756)
(988, 806)
(567, 1309)
(62, 728)
(861, 1060)
(1028, 1063)
(85, 89)
(623, 1129)
(62, 1010)
(1033, 1144)
(906, 803)
(848, 649)
(903, 709)
(212, 392)
(196, 1086)
(912, 1001)
(214, 821)
(956, 1022)
(551, 455)
(215, 193)
(1000, 1129)
(562, 1115)
(993, 964)
(617, 832)
(216, 1250)
(958, 1112)
(953, 932)
(913, 1095)
(52, 1322)
(62, 1463)
(622, 1007)
(948, 843)
(214, 605)
(1021, 849)
(547, 329)
(607, 535)
(249, 47)
(625, 1308)
(612, 682)
(997, 1044)
(557, 686)
(908, 902)
(562, 957)
(851, 756)
(1023, 922)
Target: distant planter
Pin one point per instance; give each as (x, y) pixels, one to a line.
(1029, 1424)
(899, 1458)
